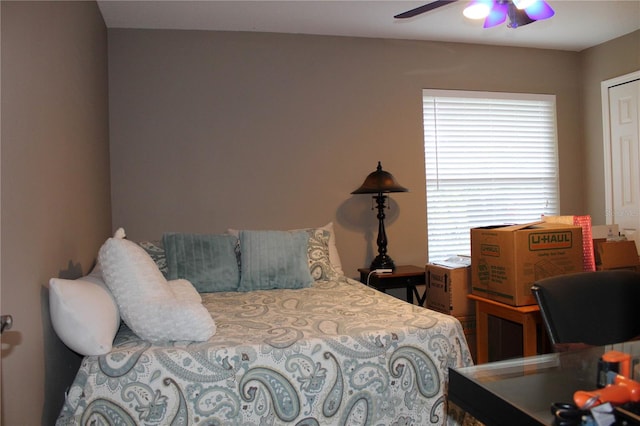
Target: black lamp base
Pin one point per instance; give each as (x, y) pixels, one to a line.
(382, 261)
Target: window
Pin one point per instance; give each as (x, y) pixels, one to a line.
(490, 158)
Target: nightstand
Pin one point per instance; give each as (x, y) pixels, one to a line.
(404, 276)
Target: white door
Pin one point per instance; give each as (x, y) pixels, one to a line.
(622, 167)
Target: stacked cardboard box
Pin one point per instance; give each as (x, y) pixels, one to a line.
(613, 251)
(621, 254)
(448, 284)
(469, 328)
(507, 260)
(448, 287)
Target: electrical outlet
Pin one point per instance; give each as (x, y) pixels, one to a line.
(383, 271)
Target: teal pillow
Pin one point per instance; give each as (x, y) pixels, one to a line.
(208, 261)
(274, 259)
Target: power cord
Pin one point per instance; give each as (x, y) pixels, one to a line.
(378, 271)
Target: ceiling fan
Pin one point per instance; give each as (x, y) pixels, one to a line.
(494, 12)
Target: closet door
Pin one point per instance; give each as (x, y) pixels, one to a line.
(624, 171)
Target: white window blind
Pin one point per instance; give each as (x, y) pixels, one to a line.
(490, 158)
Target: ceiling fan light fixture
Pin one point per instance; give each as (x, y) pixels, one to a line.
(494, 12)
(517, 17)
(523, 4)
(478, 9)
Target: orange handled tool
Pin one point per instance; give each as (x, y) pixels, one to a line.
(622, 390)
(622, 359)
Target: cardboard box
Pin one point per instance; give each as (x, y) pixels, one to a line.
(507, 260)
(617, 255)
(447, 289)
(596, 251)
(605, 231)
(469, 328)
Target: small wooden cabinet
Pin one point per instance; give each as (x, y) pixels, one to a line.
(404, 276)
(527, 316)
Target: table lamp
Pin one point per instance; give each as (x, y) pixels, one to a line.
(380, 182)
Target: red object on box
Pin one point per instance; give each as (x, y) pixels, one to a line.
(587, 239)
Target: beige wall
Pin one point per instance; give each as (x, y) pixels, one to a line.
(55, 187)
(618, 57)
(211, 130)
(215, 129)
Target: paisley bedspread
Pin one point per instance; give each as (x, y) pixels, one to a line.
(336, 353)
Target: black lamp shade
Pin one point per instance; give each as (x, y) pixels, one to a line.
(378, 182)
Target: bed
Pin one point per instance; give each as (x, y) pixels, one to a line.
(334, 351)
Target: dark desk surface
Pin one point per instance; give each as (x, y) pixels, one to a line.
(521, 391)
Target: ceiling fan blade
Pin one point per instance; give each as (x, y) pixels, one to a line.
(497, 15)
(424, 8)
(539, 10)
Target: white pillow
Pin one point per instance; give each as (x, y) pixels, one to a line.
(84, 314)
(184, 291)
(145, 299)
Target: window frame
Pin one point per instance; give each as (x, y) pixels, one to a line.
(548, 111)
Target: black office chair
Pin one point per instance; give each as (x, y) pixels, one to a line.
(590, 308)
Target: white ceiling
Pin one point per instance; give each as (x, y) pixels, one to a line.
(577, 24)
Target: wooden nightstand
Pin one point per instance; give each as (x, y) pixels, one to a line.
(404, 276)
